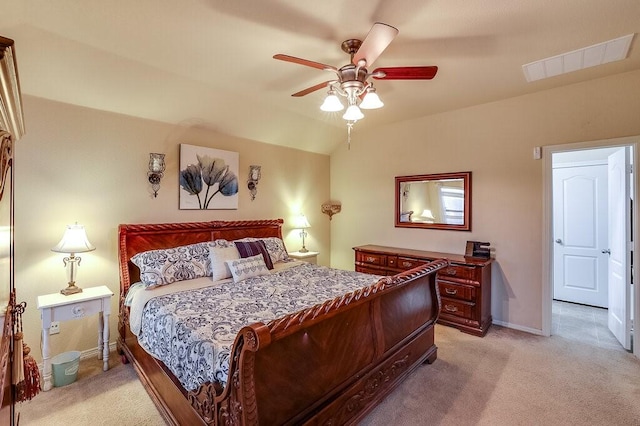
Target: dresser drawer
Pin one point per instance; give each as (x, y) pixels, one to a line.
(458, 271)
(409, 263)
(372, 271)
(73, 311)
(458, 308)
(457, 291)
(372, 258)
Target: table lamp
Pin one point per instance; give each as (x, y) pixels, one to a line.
(73, 241)
(302, 223)
(427, 216)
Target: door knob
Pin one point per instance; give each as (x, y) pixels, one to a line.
(607, 251)
(559, 241)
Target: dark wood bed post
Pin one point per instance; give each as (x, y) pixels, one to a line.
(328, 364)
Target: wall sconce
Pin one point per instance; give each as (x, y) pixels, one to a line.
(252, 183)
(156, 171)
(302, 223)
(73, 241)
(331, 208)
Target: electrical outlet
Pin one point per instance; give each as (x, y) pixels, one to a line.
(55, 327)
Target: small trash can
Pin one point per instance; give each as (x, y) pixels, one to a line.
(65, 368)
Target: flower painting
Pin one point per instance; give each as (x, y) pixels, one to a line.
(208, 178)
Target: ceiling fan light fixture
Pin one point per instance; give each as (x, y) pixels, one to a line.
(352, 80)
(353, 113)
(371, 100)
(331, 103)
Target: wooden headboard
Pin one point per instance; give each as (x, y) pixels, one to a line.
(133, 239)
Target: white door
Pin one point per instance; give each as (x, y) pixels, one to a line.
(619, 246)
(580, 235)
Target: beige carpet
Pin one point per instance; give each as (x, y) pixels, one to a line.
(505, 378)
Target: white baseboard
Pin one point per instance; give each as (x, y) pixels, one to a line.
(93, 353)
(89, 353)
(519, 327)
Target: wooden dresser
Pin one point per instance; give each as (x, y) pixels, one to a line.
(465, 286)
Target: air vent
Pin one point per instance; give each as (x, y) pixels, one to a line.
(598, 54)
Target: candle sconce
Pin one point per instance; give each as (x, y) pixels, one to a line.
(331, 208)
(156, 171)
(252, 182)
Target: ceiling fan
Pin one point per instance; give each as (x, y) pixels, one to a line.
(352, 80)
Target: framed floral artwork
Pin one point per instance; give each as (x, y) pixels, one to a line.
(208, 178)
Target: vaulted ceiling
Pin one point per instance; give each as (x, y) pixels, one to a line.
(209, 62)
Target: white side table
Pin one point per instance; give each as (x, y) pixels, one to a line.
(310, 256)
(58, 307)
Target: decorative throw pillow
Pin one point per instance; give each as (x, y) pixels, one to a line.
(252, 248)
(166, 266)
(247, 267)
(275, 248)
(219, 254)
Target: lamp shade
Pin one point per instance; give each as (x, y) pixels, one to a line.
(331, 103)
(302, 222)
(353, 113)
(156, 162)
(74, 240)
(371, 100)
(427, 214)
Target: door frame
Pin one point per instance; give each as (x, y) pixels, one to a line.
(547, 225)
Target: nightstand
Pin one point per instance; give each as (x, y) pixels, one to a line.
(310, 256)
(58, 307)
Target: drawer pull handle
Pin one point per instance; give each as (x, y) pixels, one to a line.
(370, 259)
(406, 264)
(451, 290)
(450, 308)
(78, 311)
(451, 271)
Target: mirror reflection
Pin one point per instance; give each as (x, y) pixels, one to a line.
(440, 201)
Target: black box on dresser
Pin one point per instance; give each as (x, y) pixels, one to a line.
(465, 286)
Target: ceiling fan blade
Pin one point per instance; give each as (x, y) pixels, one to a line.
(306, 62)
(312, 89)
(379, 37)
(405, 73)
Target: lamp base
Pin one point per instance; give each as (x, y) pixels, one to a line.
(303, 250)
(72, 289)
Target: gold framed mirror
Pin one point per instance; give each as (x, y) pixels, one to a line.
(434, 201)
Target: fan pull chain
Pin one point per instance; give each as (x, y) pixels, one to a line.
(349, 126)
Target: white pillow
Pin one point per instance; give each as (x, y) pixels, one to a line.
(247, 267)
(218, 255)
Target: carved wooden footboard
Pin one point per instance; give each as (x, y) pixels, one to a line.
(329, 364)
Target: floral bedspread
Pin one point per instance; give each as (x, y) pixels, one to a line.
(192, 331)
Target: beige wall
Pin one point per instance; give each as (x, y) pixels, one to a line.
(495, 142)
(78, 164)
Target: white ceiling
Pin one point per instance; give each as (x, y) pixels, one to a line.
(209, 62)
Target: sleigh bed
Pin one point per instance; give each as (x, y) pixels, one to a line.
(329, 363)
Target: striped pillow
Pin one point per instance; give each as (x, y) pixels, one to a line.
(252, 248)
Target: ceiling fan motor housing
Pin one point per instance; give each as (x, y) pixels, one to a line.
(352, 79)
